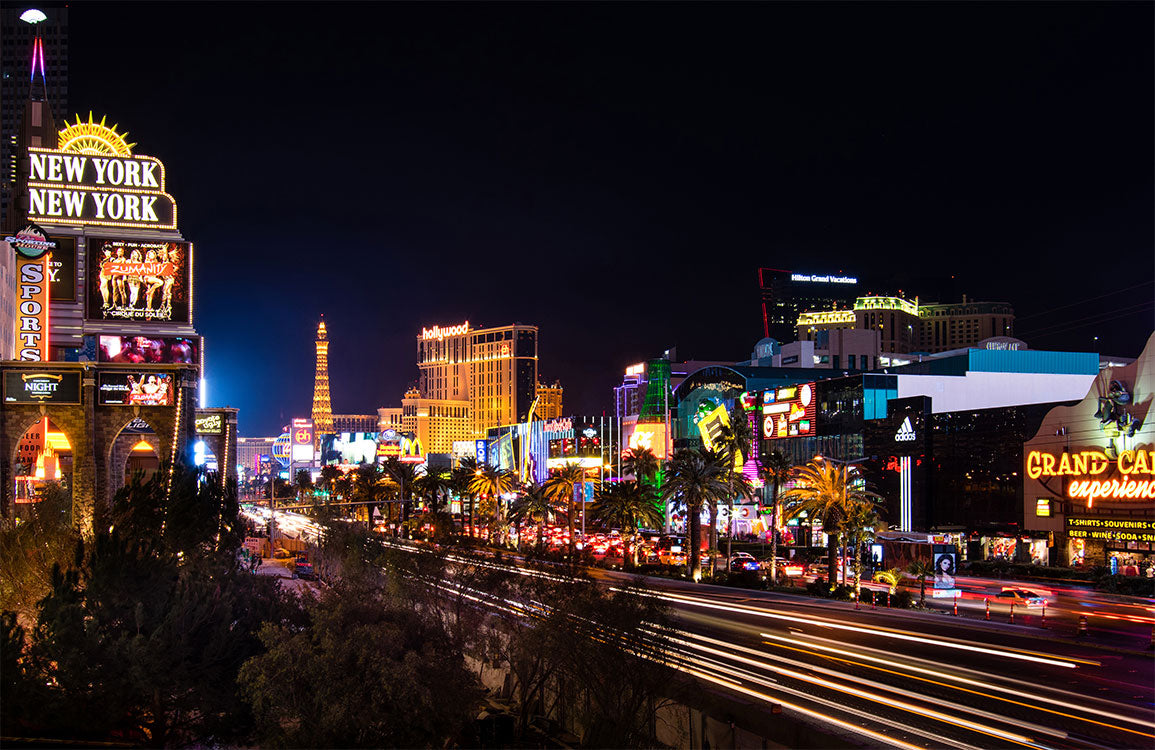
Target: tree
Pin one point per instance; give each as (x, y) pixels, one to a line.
(368, 488)
(433, 485)
(560, 487)
(141, 638)
(313, 685)
(775, 471)
(920, 569)
(826, 489)
(861, 522)
(736, 438)
(463, 475)
(491, 482)
(405, 475)
(641, 464)
(329, 474)
(304, 482)
(694, 478)
(627, 505)
(534, 506)
(28, 551)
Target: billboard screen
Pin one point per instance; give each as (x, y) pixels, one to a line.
(47, 387)
(349, 448)
(62, 270)
(789, 411)
(649, 436)
(135, 389)
(139, 281)
(148, 350)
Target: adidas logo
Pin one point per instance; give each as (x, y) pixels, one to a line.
(905, 432)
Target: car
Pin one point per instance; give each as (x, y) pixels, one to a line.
(790, 568)
(282, 554)
(1021, 597)
(743, 561)
(303, 569)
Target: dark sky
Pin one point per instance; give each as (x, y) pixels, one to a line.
(617, 173)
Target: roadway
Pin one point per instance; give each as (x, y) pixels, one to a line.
(911, 679)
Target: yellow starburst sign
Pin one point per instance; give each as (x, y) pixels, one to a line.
(93, 138)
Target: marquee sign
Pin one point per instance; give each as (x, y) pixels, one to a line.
(210, 424)
(1087, 470)
(65, 187)
(789, 411)
(1111, 529)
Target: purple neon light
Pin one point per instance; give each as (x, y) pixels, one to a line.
(42, 75)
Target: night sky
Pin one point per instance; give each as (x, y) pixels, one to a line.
(617, 173)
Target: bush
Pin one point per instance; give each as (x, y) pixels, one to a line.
(745, 579)
(902, 600)
(842, 593)
(1126, 585)
(818, 587)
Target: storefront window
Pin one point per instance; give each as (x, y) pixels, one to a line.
(1077, 552)
(1039, 554)
(1000, 548)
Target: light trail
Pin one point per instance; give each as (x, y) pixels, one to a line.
(1066, 662)
(868, 696)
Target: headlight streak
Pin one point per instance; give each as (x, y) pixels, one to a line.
(986, 685)
(865, 695)
(884, 632)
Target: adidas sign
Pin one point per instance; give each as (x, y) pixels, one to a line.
(905, 432)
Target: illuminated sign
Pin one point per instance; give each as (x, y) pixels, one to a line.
(302, 432)
(210, 424)
(438, 332)
(1136, 467)
(710, 427)
(905, 432)
(31, 242)
(558, 426)
(148, 350)
(651, 437)
(140, 281)
(1042, 507)
(62, 270)
(1111, 529)
(637, 369)
(90, 189)
(41, 387)
(135, 389)
(282, 448)
(32, 309)
(412, 451)
(789, 412)
(480, 448)
(827, 279)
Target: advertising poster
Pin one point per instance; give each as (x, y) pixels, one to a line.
(148, 350)
(41, 387)
(349, 448)
(302, 440)
(135, 389)
(945, 565)
(139, 281)
(789, 411)
(651, 437)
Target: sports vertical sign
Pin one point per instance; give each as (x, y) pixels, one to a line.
(33, 256)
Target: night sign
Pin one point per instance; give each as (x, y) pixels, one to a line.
(22, 387)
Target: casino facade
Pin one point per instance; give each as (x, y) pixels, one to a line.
(106, 374)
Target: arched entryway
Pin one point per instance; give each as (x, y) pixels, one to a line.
(43, 454)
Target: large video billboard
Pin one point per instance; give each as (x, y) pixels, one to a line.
(349, 448)
(789, 411)
(135, 389)
(148, 350)
(139, 281)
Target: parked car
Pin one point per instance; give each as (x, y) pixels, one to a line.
(303, 569)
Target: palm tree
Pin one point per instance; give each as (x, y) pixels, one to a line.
(641, 463)
(560, 488)
(329, 474)
(405, 475)
(826, 489)
(861, 523)
(463, 475)
(628, 506)
(433, 485)
(735, 440)
(493, 482)
(344, 485)
(920, 569)
(534, 506)
(368, 488)
(304, 482)
(775, 471)
(694, 478)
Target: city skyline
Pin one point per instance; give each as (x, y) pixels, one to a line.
(587, 170)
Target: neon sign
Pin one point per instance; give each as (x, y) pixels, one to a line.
(789, 412)
(439, 333)
(1136, 467)
(827, 279)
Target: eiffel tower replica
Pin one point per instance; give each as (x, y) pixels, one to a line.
(322, 405)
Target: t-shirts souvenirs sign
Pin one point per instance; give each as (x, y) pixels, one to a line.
(89, 189)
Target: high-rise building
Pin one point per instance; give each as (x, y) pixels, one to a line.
(322, 404)
(787, 294)
(549, 401)
(907, 326)
(21, 77)
(493, 370)
(389, 418)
